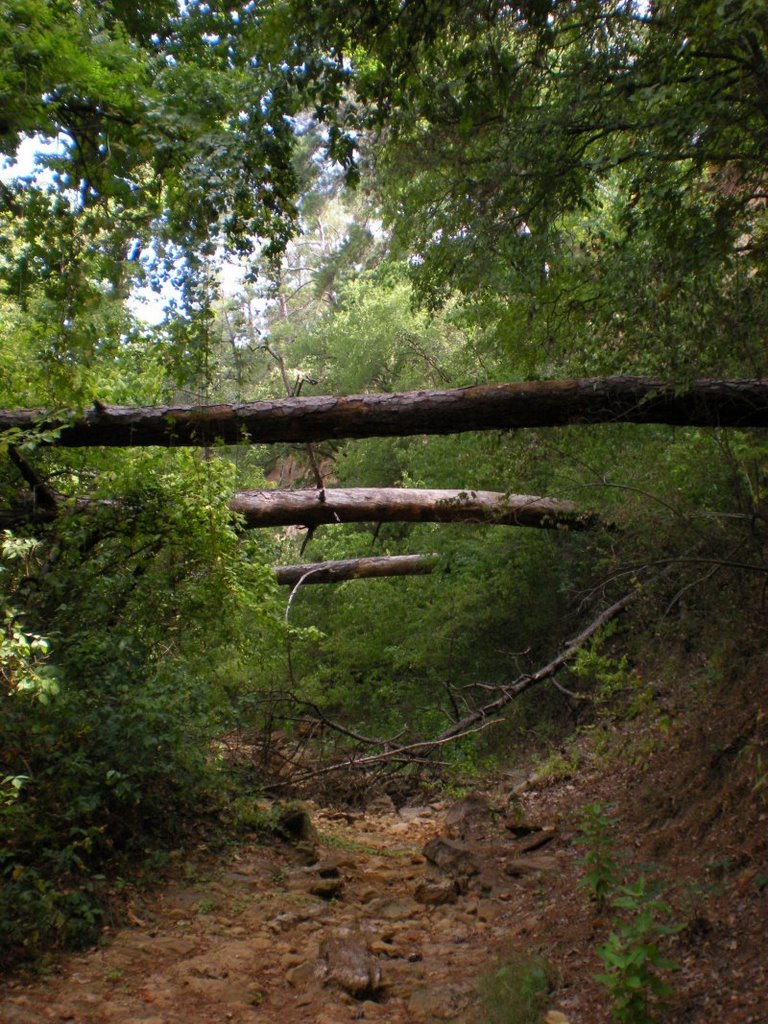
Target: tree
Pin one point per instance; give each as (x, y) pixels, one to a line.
(354, 569)
(570, 189)
(589, 176)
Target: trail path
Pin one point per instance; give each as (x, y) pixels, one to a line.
(263, 938)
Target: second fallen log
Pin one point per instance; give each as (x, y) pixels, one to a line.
(402, 504)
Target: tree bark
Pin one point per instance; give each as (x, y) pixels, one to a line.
(401, 504)
(708, 403)
(355, 569)
(311, 508)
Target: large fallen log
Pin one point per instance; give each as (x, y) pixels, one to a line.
(708, 403)
(355, 569)
(406, 505)
(312, 507)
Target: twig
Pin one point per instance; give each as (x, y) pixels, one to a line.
(570, 693)
(393, 755)
(296, 589)
(525, 682)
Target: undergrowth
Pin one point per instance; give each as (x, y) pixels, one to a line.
(635, 968)
(515, 991)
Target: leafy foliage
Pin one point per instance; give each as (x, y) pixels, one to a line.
(516, 991)
(107, 724)
(632, 957)
(630, 954)
(599, 857)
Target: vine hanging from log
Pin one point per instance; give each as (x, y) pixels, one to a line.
(710, 403)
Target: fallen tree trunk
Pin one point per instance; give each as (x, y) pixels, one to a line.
(331, 505)
(402, 504)
(709, 403)
(355, 569)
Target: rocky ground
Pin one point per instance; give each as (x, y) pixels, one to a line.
(372, 930)
(393, 914)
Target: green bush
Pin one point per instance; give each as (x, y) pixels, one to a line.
(632, 957)
(599, 858)
(120, 663)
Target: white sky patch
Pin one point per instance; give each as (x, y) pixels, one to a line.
(149, 305)
(26, 163)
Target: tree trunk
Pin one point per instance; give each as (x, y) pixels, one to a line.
(355, 569)
(708, 403)
(331, 505)
(405, 505)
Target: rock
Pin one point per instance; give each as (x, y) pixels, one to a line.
(536, 841)
(323, 880)
(435, 1003)
(341, 861)
(290, 920)
(469, 817)
(556, 1017)
(400, 828)
(303, 974)
(350, 965)
(381, 805)
(518, 867)
(144, 1020)
(449, 927)
(394, 910)
(159, 993)
(412, 813)
(383, 877)
(326, 888)
(454, 859)
(207, 969)
(221, 991)
(372, 1011)
(295, 825)
(348, 816)
(435, 893)
(19, 1015)
(173, 946)
(370, 892)
(521, 829)
(381, 948)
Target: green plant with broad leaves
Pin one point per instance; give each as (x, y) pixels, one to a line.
(631, 956)
(640, 917)
(602, 875)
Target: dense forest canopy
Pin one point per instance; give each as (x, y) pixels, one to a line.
(345, 198)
